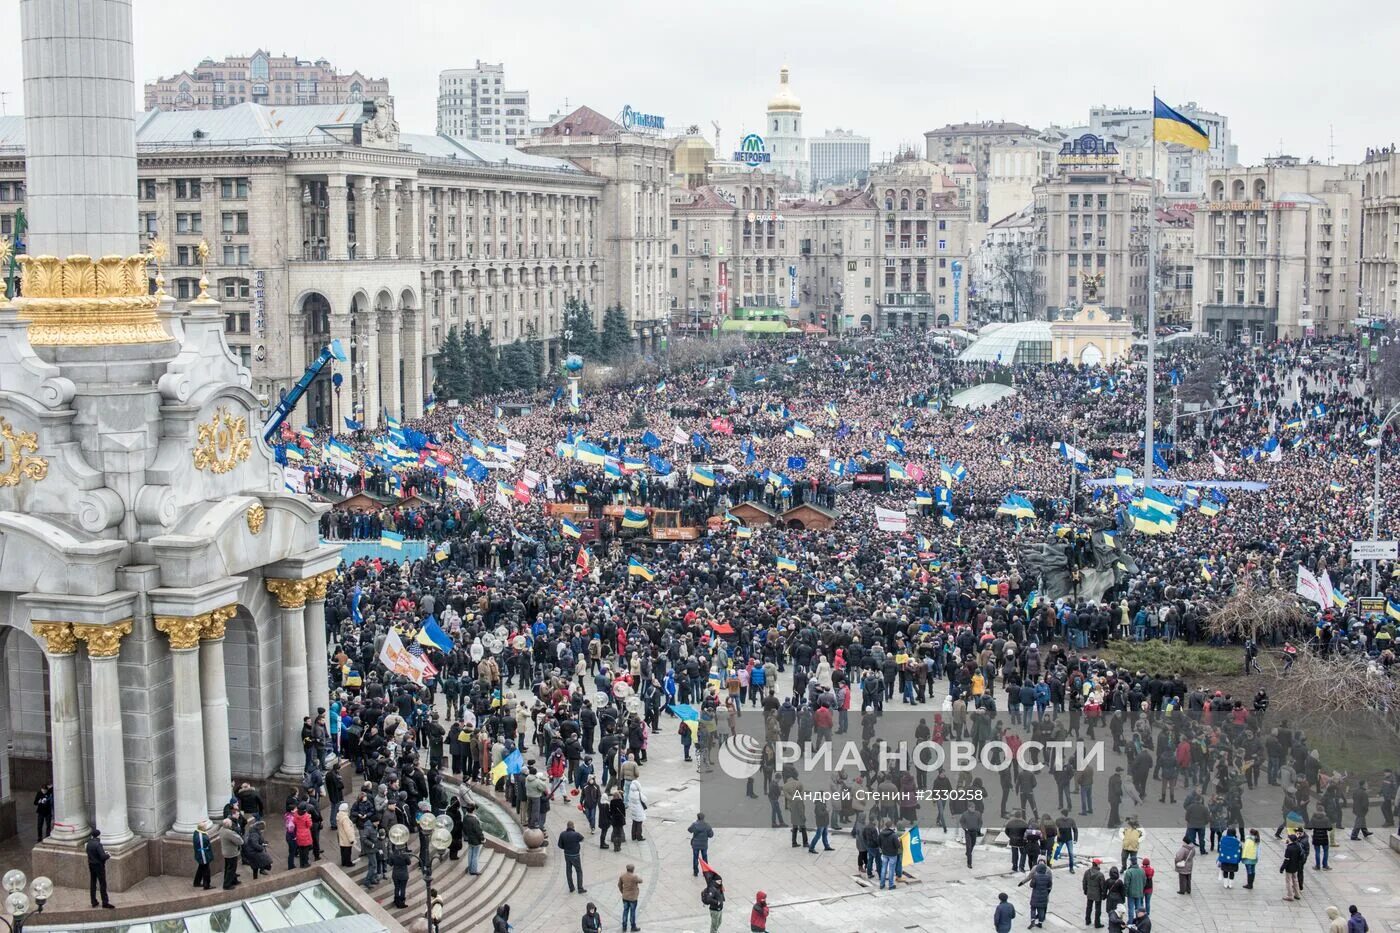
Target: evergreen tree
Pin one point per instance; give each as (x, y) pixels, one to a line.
(536, 348)
(452, 368)
(578, 320)
(518, 371)
(615, 342)
(488, 366)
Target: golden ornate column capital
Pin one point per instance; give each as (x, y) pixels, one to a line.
(290, 594)
(318, 585)
(57, 636)
(183, 631)
(217, 621)
(103, 641)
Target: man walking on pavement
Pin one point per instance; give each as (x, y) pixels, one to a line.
(571, 843)
(629, 885)
(700, 836)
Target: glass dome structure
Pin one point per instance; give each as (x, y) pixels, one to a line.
(1021, 342)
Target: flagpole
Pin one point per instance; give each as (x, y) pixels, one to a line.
(1148, 442)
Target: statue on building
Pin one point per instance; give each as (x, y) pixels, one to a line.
(1092, 282)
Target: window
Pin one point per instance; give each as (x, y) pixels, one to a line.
(186, 189)
(233, 189)
(234, 221)
(186, 289)
(235, 255)
(189, 222)
(149, 223)
(146, 189)
(186, 256)
(236, 322)
(235, 289)
(942, 244)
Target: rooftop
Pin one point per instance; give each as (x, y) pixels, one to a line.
(985, 128)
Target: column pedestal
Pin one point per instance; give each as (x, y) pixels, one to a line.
(291, 599)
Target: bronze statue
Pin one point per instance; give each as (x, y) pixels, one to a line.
(1091, 285)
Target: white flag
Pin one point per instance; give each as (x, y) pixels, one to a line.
(396, 658)
(531, 478)
(1309, 588)
(890, 520)
(294, 479)
(679, 437)
(515, 449)
(1324, 585)
(1219, 464)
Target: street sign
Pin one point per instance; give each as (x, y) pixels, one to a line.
(1374, 550)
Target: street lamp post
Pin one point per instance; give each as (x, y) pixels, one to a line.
(17, 901)
(1377, 444)
(435, 838)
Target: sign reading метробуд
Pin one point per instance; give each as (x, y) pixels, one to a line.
(1165, 771)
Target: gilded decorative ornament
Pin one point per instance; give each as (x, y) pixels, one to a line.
(216, 622)
(318, 585)
(156, 256)
(183, 631)
(222, 444)
(15, 462)
(290, 594)
(6, 249)
(257, 517)
(58, 636)
(103, 641)
(81, 301)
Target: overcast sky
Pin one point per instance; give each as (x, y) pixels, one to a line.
(1285, 73)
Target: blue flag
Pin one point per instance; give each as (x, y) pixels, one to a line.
(651, 441)
(474, 468)
(797, 463)
(352, 425)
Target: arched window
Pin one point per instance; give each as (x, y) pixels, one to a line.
(1217, 190)
(1237, 190)
(775, 126)
(1259, 189)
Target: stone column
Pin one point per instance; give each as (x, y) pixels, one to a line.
(218, 769)
(411, 189)
(366, 221)
(295, 250)
(338, 222)
(81, 161)
(398, 248)
(104, 644)
(291, 599)
(389, 362)
(190, 774)
(412, 337)
(368, 353)
(317, 670)
(70, 817)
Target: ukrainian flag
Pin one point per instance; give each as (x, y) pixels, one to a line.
(1168, 126)
(636, 568)
(913, 847)
(948, 519)
(1205, 573)
(390, 540)
(786, 563)
(952, 472)
(591, 453)
(1335, 486)
(1209, 509)
(1016, 506)
(923, 543)
(294, 453)
(1392, 609)
(799, 429)
(1339, 600)
(1293, 424)
(634, 518)
(570, 529)
(702, 476)
(969, 427)
(743, 532)
(922, 497)
(1110, 538)
(1122, 477)
(897, 472)
(731, 517)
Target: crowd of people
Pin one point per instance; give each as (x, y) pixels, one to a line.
(557, 658)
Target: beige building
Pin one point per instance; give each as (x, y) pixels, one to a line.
(1090, 336)
(1003, 268)
(1380, 252)
(923, 244)
(1092, 221)
(1014, 168)
(477, 103)
(634, 210)
(1276, 253)
(261, 78)
(973, 143)
(345, 228)
(691, 156)
(1176, 263)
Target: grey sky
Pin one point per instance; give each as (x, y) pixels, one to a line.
(888, 68)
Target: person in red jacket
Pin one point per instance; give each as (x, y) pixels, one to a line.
(302, 820)
(758, 917)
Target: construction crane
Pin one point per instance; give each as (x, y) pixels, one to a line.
(289, 401)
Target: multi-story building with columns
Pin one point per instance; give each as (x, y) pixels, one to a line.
(261, 78)
(1380, 234)
(633, 210)
(329, 224)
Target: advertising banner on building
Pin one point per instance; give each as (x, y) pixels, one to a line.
(792, 287)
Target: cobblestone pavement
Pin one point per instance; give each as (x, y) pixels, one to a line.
(822, 892)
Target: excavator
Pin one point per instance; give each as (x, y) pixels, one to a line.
(333, 351)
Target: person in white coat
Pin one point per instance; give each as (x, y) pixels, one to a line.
(636, 800)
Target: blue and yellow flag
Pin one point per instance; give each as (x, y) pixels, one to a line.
(634, 518)
(702, 476)
(786, 563)
(1392, 609)
(570, 529)
(1168, 126)
(743, 532)
(912, 845)
(391, 540)
(636, 568)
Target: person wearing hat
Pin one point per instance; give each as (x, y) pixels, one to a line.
(231, 847)
(1118, 920)
(203, 855)
(97, 857)
(1093, 885)
(758, 916)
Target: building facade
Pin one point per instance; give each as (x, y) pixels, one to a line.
(839, 158)
(476, 103)
(783, 135)
(1276, 253)
(924, 237)
(633, 212)
(1176, 264)
(379, 239)
(1014, 168)
(1380, 248)
(1003, 268)
(1092, 235)
(973, 142)
(261, 78)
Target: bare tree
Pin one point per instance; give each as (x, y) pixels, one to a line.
(1012, 271)
(1254, 613)
(1350, 683)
